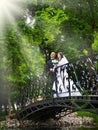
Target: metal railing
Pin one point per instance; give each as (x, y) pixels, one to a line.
(83, 74)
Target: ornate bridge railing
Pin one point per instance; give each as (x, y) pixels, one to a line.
(87, 75)
(83, 74)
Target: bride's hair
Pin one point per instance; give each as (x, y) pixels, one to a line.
(61, 54)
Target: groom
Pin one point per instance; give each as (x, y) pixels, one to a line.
(50, 66)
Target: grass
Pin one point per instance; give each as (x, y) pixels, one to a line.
(88, 114)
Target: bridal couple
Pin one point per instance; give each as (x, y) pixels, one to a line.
(60, 80)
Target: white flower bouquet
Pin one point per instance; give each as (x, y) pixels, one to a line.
(55, 62)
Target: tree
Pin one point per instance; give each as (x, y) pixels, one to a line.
(47, 27)
(80, 23)
(78, 27)
(21, 64)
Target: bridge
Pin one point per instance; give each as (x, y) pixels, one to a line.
(37, 101)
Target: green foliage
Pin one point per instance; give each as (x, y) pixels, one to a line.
(47, 25)
(95, 44)
(80, 23)
(49, 17)
(2, 116)
(25, 61)
(67, 18)
(59, 26)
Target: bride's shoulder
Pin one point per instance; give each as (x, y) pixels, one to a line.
(65, 60)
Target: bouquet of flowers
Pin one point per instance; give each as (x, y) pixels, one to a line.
(55, 62)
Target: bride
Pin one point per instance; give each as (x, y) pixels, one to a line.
(62, 84)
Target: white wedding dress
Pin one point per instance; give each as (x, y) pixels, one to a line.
(62, 84)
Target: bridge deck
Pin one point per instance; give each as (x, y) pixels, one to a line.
(45, 109)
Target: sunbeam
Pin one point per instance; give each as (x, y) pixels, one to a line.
(9, 9)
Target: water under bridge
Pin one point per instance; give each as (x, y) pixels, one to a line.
(37, 102)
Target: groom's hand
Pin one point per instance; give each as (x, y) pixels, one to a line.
(51, 69)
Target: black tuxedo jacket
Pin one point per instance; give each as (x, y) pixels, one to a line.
(50, 64)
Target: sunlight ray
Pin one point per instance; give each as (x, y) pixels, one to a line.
(9, 10)
(9, 17)
(14, 8)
